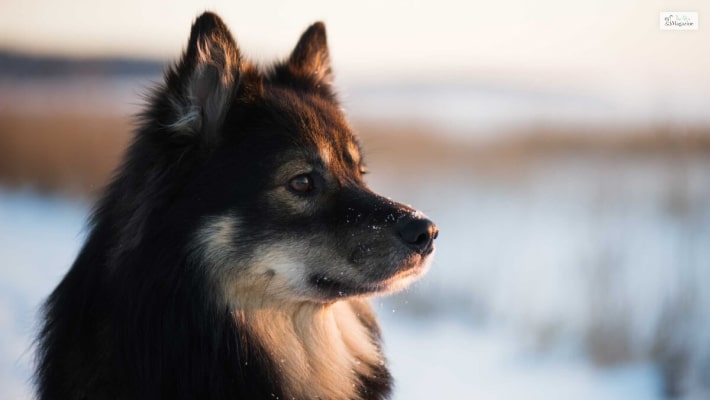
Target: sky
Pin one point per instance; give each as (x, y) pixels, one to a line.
(611, 53)
(541, 40)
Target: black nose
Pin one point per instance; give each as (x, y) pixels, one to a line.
(418, 234)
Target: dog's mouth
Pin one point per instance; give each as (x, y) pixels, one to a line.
(387, 279)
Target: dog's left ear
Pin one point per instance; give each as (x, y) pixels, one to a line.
(310, 59)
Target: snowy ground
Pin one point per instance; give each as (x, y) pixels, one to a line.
(39, 238)
(448, 359)
(436, 351)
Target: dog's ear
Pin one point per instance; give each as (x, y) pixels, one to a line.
(310, 59)
(201, 87)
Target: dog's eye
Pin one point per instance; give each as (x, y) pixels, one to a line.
(301, 184)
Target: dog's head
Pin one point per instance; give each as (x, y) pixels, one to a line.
(275, 182)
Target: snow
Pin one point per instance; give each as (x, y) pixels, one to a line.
(39, 238)
(447, 359)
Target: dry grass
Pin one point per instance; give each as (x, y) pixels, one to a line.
(76, 153)
(514, 156)
(67, 153)
(538, 142)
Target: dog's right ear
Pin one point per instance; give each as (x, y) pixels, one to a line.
(201, 87)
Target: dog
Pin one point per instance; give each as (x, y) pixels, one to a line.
(233, 252)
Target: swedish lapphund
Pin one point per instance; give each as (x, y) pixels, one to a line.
(233, 254)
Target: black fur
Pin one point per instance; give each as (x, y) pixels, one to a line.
(138, 316)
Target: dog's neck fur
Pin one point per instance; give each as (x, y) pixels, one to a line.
(320, 351)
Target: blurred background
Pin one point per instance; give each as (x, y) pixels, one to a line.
(563, 148)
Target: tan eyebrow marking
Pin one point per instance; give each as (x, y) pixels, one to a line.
(326, 154)
(354, 152)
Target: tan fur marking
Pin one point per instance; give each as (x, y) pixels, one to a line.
(354, 153)
(326, 155)
(214, 239)
(319, 348)
(274, 277)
